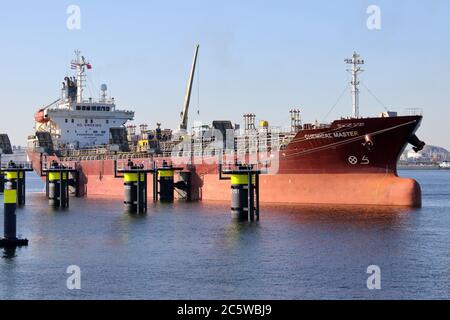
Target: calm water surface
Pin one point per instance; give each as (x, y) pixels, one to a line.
(196, 251)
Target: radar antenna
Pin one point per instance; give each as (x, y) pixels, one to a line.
(103, 88)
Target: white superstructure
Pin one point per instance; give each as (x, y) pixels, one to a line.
(75, 122)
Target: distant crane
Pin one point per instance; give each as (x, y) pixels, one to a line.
(182, 127)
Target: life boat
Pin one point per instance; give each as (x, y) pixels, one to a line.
(40, 117)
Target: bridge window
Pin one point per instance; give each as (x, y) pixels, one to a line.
(78, 108)
(107, 121)
(67, 120)
(107, 108)
(88, 108)
(83, 108)
(92, 121)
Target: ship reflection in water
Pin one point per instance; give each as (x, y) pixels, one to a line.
(194, 250)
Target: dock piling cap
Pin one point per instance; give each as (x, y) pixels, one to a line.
(133, 176)
(239, 179)
(10, 196)
(55, 171)
(166, 172)
(10, 175)
(14, 173)
(56, 175)
(15, 170)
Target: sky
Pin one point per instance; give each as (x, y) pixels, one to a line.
(263, 57)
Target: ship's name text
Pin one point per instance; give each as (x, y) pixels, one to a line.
(345, 134)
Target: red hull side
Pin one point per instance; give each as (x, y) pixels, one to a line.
(320, 166)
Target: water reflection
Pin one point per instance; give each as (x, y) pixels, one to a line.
(238, 232)
(365, 216)
(123, 226)
(197, 250)
(9, 253)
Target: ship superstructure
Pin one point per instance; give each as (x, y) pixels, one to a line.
(73, 122)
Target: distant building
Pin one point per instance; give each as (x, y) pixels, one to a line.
(412, 155)
(430, 154)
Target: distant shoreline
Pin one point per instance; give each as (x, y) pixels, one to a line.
(419, 167)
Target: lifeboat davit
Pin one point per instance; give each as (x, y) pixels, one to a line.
(40, 117)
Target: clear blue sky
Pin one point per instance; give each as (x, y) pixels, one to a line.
(256, 56)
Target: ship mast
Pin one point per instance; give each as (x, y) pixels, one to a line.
(355, 61)
(80, 65)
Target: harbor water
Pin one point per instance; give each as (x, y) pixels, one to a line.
(195, 251)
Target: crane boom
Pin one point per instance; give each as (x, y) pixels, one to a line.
(184, 114)
(54, 102)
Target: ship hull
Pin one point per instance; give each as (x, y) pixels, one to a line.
(353, 162)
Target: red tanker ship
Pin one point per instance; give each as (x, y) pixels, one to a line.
(350, 161)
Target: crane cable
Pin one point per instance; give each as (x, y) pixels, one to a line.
(375, 97)
(336, 103)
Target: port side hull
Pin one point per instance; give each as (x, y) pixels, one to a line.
(314, 169)
(385, 189)
(354, 189)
